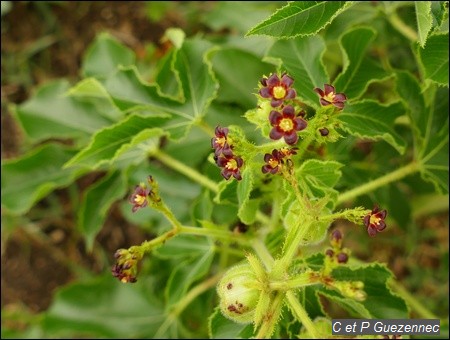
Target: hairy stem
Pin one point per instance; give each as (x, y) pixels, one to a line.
(301, 314)
(379, 182)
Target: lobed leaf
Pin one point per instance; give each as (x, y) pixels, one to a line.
(372, 120)
(96, 203)
(424, 20)
(109, 143)
(299, 18)
(434, 58)
(302, 59)
(358, 70)
(104, 308)
(28, 179)
(50, 113)
(104, 56)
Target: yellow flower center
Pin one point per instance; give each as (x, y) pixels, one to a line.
(286, 124)
(273, 163)
(279, 92)
(139, 199)
(329, 97)
(231, 164)
(221, 141)
(375, 220)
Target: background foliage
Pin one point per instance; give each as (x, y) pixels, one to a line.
(74, 144)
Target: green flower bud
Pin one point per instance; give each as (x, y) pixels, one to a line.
(239, 294)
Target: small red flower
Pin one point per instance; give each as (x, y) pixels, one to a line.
(330, 97)
(139, 198)
(286, 124)
(125, 268)
(274, 162)
(374, 221)
(278, 90)
(231, 165)
(220, 142)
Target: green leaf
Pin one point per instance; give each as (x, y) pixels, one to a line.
(301, 57)
(380, 301)
(50, 113)
(434, 58)
(372, 120)
(96, 203)
(299, 18)
(105, 55)
(90, 90)
(219, 327)
(202, 207)
(355, 308)
(238, 87)
(244, 189)
(435, 153)
(193, 65)
(439, 10)
(184, 246)
(104, 308)
(424, 20)
(358, 70)
(185, 274)
(227, 192)
(28, 179)
(109, 143)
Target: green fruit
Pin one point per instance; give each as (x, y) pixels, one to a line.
(238, 294)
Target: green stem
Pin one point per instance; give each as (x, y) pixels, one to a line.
(302, 280)
(379, 182)
(302, 315)
(170, 217)
(304, 145)
(269, 323)
(186, 170)
(222, 234)
(185, 301)
(402, 27)
(261, 250)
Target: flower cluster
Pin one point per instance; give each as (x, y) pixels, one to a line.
(338, 253)
(142, 194)
(374, 221)
(275, 160)
(328, 96)
(223, 155)
(125, 268)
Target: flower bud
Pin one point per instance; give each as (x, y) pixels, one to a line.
(238, 294)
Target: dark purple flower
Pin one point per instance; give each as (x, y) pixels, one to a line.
(276, 89)
(286, 124)
(374, 221)
(139, 198)
(324, 132)
(273, 161)
(125, 268)
(342, 258)
(220, 142)
(231, 166)
(330, 97)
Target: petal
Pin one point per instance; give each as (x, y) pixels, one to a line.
(276, 102)
(340, 97)
(222, 161)
(339, 105)
(226, 150)
(275, 117)
(324, 102)
(287, 81)
(382, 214)
(372, 232)
(291, 137)
(263, 81)
(267, 157)
(274, 170)
(273, 80)
(264, 92)
(319, 91)
(275, 134)
(381, 226)
(226, 173)
(239, 161)
(265, 169)
(300, 124)
(291, 94)
(366, 220)
(237, 175)
(329, 89)
(288, 111)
